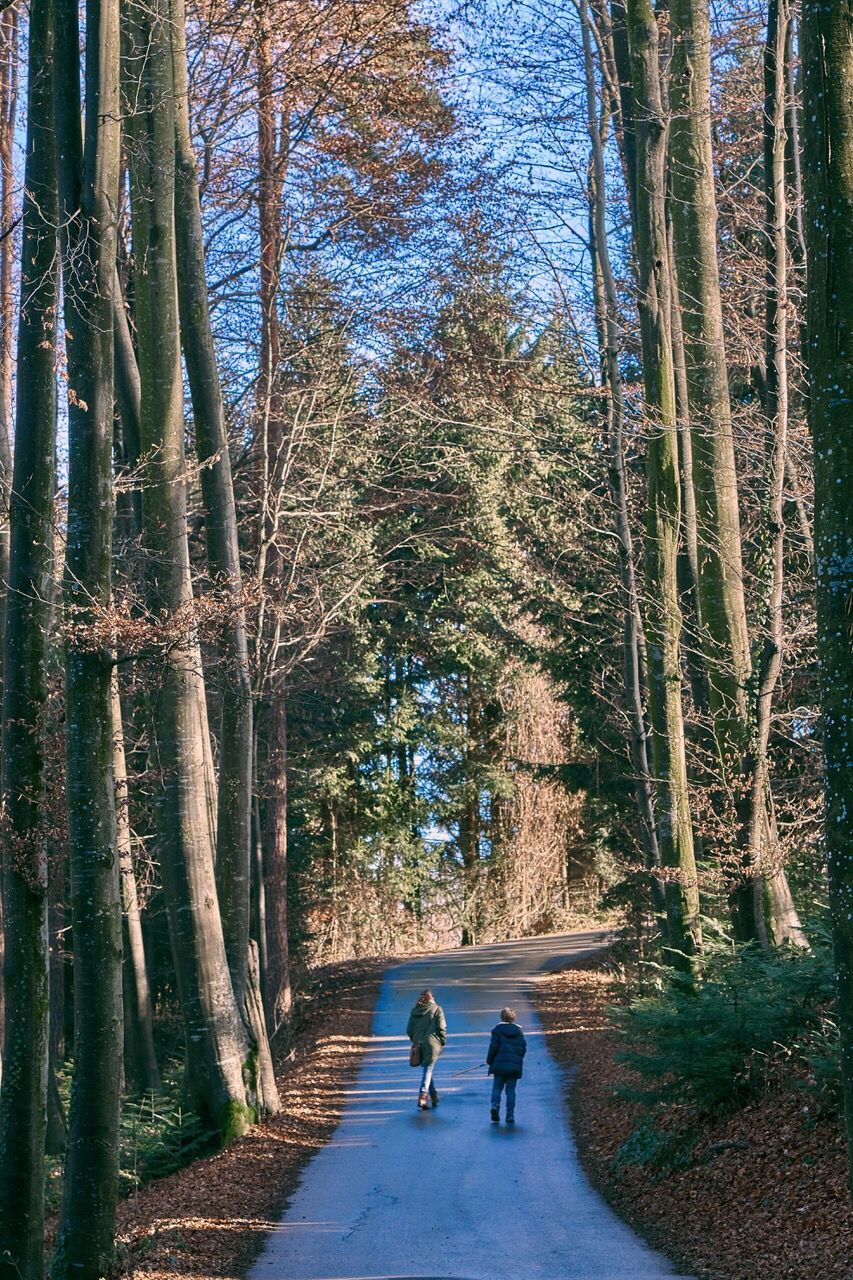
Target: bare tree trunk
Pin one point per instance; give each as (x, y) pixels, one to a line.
(89, 180)
(725, 636)
(8, 112)
(632, 636)
(23, 1098)
(827, 58)
(56, 1128)
(140, 1058)
(469, 847)
(469, 815)
(782, 916)
(278, 996)
(663, 626)
(793, 152)
(129, 402)
(627, 132)
(797, 250)
(56, 1133)
(56, 923)
(216, 1044)
(234, 810)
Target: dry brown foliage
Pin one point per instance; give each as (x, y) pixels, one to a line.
(767, 1198)
(211, 1218)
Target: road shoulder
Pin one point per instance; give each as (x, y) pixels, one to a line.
(766, 1196)
(211, 1218)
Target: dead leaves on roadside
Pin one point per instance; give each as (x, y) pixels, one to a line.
(209, 1219)
(767, 1197)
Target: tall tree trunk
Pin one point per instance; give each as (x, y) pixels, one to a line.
(827, 56)
(8, 112)
(278, 996)
(782, 916)
(469, 817)
(725, 636)
(89, 181)
(278, 986)
(216, 1044)
(632, 630)
(129, 403)
(56, 924)
(627, 133)
(469, 846)
(139, 1056)
(663, 612)
(56, 1134)
(235, 768)
(234, 808)
(797, 250)
(23, 1097)
(140, 1059)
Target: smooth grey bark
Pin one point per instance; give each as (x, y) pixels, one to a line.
(278, 994)
(632, 628)
(627, 124)
(223, 554)
(129, 403)
(57, 895)
(234, 792)
(56, 925)
(725, 634)
(689, 555)
(140, 1059)
(663, 484)
(797, 250)
(216, 1044)
(89, 182)
(56, 1130)
(762, 846)
(23, 1098)
(826, 31)
(8, 111)
(139, 1056)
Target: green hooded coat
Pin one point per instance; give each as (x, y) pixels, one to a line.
(427, 1027)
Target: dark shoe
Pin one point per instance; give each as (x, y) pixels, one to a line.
(510, 1119)
(423, 1105)
(496, 1115)
(433, 1097)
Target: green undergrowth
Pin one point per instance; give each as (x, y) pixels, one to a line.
(750, 1023)
(159, 1134)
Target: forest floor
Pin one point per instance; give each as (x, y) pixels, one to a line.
(210, 1218)
(766, 1195)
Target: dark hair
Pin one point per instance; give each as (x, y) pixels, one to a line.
(426, 997)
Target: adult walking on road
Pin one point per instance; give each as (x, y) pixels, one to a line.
(427, 1030)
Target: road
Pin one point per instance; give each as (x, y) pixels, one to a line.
(400, 1194)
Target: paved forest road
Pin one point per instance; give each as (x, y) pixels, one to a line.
(447, 1194)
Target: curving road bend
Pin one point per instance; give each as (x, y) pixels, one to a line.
(400, 1194)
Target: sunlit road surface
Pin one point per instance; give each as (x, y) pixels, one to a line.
(400, 1194)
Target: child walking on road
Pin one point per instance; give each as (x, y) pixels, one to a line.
(505, 1060)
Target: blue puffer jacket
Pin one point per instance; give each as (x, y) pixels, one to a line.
(506, 1050)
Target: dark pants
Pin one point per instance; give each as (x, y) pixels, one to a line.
(499, 1083)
